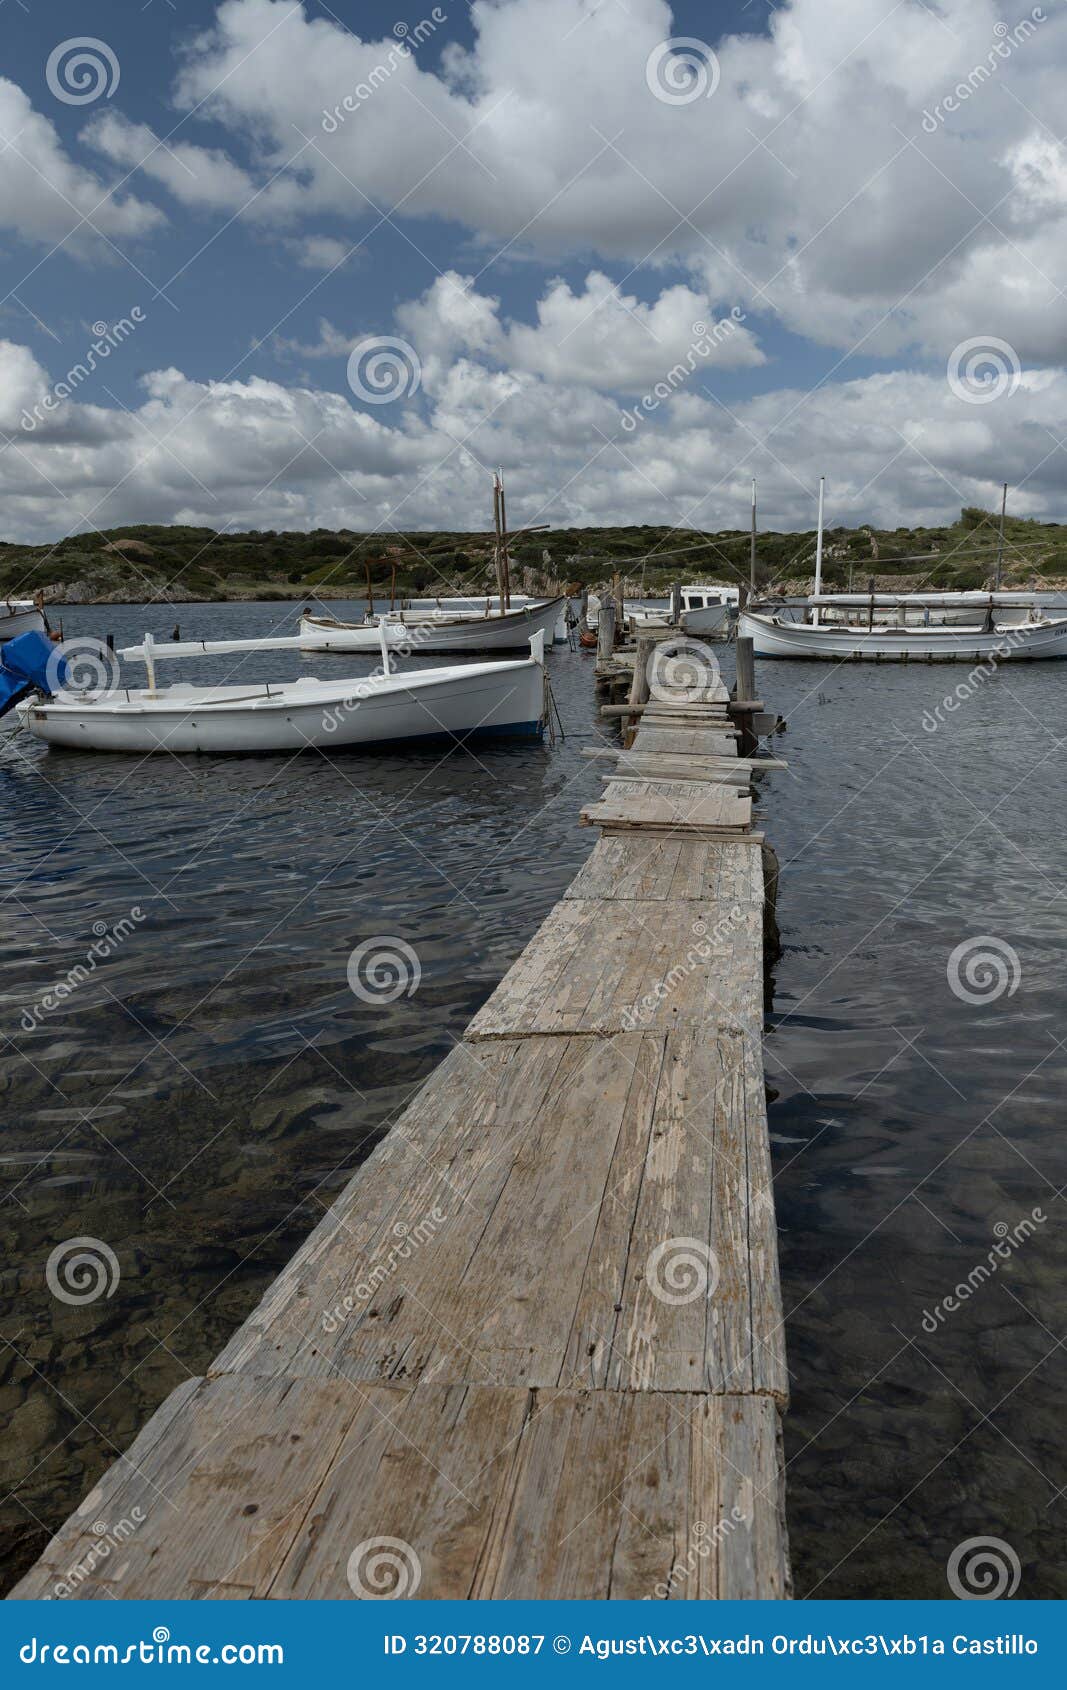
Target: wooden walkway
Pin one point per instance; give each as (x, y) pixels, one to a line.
(535, 1348)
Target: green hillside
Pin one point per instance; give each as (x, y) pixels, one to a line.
(183, 564)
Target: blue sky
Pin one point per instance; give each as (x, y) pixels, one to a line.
(542, 230)
(221, 287)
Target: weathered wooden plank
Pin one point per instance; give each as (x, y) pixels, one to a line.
(220, 1493)
(590, 963)
(634, 1144)
(717, 771)
(657, 767)
(446, 1492)
(681, 1291)
(656, 830)
(447, 1157)
(671, 869)
(427, 1471)
(676, 804)
(637, 1496)
(688, 742)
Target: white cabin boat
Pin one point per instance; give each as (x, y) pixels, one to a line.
(905, 627)
(357, 712)
(437, 629)
(706, 609)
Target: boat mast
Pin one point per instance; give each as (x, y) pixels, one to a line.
(504, 544)
(752, 547)
(498, 494)
(818, 549)
(1000, 541)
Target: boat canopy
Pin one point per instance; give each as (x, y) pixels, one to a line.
(945, 600)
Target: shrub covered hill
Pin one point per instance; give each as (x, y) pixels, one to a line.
(178, 564)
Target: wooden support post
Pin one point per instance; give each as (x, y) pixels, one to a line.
(676, 603)
(639, 688)
(605, 639)
(746, 667)
(370, 591)
(745, 689)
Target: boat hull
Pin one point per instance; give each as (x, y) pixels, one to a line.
(836, 643)
(361, 713)
(712, 619)
(20, 619)
(477, 607)
(453, 633)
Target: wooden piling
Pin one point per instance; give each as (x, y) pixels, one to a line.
(536, 1342)
(605, 642)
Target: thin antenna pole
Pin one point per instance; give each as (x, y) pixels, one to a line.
(818, 547)
(1000, 540)
(497, 495)
(504, 543)
(752, 551)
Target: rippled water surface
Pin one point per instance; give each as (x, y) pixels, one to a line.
(199, 1098)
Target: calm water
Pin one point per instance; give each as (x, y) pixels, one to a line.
(197, 1102)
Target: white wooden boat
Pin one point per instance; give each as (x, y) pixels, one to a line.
(21, 616)
(437, 629)
(904, 628)
(360, 711)
(490, 606)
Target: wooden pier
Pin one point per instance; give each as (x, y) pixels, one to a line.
(535, 1348)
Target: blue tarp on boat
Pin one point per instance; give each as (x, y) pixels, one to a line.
(29, 662)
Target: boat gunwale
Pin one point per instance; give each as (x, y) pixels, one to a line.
(334, 694)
